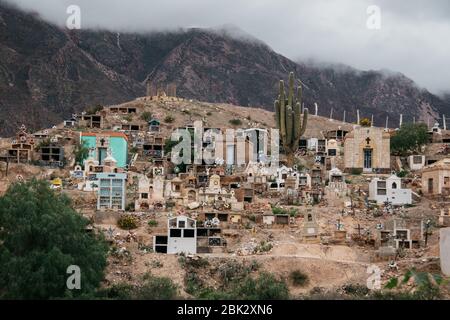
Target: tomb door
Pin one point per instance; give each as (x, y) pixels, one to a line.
(367, 158)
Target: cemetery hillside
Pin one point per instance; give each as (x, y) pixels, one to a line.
(198, 164)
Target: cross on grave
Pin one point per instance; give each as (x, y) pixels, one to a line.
(339, 225)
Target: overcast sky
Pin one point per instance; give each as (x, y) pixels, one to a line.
(414, 37)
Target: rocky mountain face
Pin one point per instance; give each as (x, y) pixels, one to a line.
(47, 73)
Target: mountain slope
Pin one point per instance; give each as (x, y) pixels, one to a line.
(47, 73)
(44, 75)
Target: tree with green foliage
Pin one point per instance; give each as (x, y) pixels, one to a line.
(288, 112)
(169, 144)
(409, 139)
(81, 152)
(41, 235)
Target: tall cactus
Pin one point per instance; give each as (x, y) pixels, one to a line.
(288, 112)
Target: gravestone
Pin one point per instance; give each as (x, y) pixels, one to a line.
(214, 184)
(444, 247)
(310, 226)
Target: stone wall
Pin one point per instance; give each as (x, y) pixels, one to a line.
(367, 137)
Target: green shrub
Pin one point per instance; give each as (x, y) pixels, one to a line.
(231, 270)
(193, 283)
(265, 287)
(146, 116)
(127, 222)
(392, 283)
(264, 246)
(192, 263)
(431, 293)
(402, 174)
(153, 223)
(169, 119)
(212, 294)
(293, 212)
(298, 278)
(129, 207)
(427, 287)
(356, 290)
(169, 144)
(278, 210)
(156, 288)
(357, 171)
(151, 288)
(235, 122)
(118, 291)
(182, 260)
(254, 266)
(170, 204)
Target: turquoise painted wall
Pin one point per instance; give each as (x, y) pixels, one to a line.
(119, 148)
(118, 145)
(89, 142)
